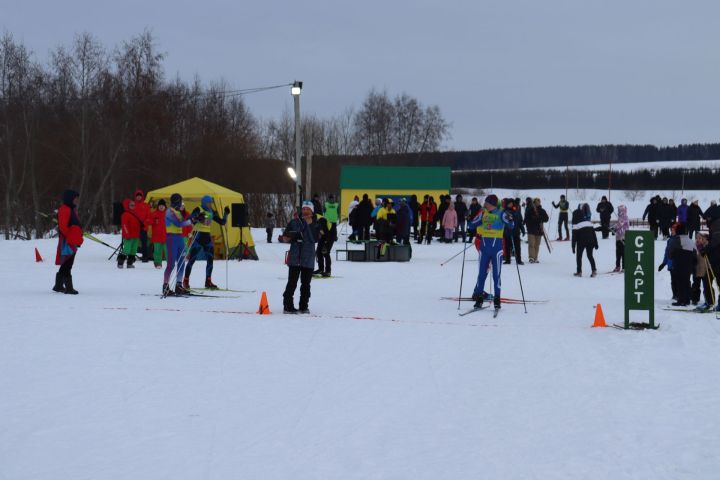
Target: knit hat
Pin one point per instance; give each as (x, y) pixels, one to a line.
(176, 200)
(162, 202)
(309, 205)
(492, 200)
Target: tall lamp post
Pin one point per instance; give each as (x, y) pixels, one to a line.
(295, 92)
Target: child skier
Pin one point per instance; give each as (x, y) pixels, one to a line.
(131, 227)
(490, 224)
(205, 215)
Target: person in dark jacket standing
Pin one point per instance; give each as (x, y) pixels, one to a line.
(564, 207)
(364, 217)
(403, 221)
(472, 213)
(535, 216)
(694, 213)
(583, 238)
(461, 210)
(512, 234)
(302, 233)
(70, 238)
(414, 206)
(324, 246)
(682, 254)
(651, 213)
(665, 217)
(605, 209)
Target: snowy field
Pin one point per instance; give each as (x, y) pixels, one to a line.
(383, 381)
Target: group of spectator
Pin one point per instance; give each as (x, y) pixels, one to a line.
(662, 213)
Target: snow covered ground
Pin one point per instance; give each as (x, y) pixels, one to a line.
(383, 381)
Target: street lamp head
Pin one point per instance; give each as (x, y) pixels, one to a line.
(291, 172)
(296, 88)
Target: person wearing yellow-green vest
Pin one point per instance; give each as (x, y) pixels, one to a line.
(332, 209)
(328, 227)
(564, 207)
(205, 215)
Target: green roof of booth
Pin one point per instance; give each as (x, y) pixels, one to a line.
(399, 178)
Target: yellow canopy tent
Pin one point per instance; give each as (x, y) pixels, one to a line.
(192, 190)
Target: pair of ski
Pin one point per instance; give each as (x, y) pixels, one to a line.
(489, 298)
(477, 309)
(200, 292)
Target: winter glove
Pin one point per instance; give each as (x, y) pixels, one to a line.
(227, 210)
(573, 250)
(662, 265)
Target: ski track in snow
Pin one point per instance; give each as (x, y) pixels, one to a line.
(383, 380)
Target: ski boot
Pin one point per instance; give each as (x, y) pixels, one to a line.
(69, 286)
(594, 273)
(121, 260)
(478, 300)
(59, 283)
(186, 284)
(180, 289)
(131, 261)
(166, 292)
(317, 272)
(325, 274)
(304, 310)
(210, 285)
(577, 274)
(290, 309)
(496, 303)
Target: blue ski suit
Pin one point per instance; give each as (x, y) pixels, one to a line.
(490, 226)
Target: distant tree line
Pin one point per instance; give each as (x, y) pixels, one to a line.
(662, 179)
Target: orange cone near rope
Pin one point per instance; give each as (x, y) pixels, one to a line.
(264, 307)
(599, 317)
(38, 258)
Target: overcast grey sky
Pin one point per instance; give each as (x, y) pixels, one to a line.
(506, 73)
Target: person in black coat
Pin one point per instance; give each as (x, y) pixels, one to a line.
(694, 213)
(462, 211)
(472, 213)
(364, 217)
(535, 216)
(665, 217)
(512, 235)
(414, 206)
(711, 215)
(583, 238)
(651, 213)
(682, 253)
(403, 221)
(605, 209)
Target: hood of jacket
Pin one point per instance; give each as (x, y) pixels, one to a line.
(68, 197)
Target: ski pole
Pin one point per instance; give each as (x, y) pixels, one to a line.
(517, 265)
(115, 251)
(458, 253)
(462, 274)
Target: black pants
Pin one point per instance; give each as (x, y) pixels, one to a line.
(460, 231)
(415, 229)
(144, 246)
(620, 254)
(706, 287)
(563, 220)
(512, 244)
(665, 230)
(428, 229)
(203, 243)
(323, 256)
(305, 276)
(66, 268)
(605, 227)
(269, 232)
(578, 257)
(692, 228)
(681, 280)
(364, 232)
(654, 229)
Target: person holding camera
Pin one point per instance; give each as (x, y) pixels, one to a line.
(204, 216)
(302, 233)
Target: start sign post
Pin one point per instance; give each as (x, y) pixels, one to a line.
(639, 274)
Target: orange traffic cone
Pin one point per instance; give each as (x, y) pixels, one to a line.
(264, 307)
(38, 258)
(599, 317)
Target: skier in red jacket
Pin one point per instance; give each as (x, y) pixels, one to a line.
(142, 210)
(70, 238)
(156, 220)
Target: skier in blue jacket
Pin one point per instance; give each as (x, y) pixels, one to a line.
(490, 223)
